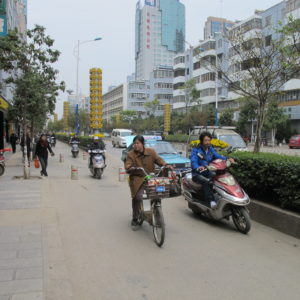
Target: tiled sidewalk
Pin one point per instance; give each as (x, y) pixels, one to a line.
(21, 246)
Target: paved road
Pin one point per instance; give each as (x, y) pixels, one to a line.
(90, 252)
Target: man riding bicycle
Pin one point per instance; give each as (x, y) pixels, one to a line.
(140, 157)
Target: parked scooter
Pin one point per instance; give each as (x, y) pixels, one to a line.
(231, 198)
(98, 164)
(2, 160)
(75, 148)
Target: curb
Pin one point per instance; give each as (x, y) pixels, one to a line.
(275, 217)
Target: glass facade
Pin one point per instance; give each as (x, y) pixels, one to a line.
(173, 25)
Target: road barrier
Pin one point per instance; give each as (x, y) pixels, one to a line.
(122, 175)
(74, 173)
(84, 155)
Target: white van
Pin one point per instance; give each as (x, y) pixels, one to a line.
(118, 137)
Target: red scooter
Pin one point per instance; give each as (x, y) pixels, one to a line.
(2, 160)
(230, 197)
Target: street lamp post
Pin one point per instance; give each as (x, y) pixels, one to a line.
(78, 57)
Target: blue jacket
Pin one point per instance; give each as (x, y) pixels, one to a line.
(200, 158)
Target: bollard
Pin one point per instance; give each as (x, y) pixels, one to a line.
(84, 155)
(122, 175)
(61, 158)
(74, 173)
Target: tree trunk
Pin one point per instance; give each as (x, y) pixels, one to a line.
(26, 162)
(273, 132)
(260, 123)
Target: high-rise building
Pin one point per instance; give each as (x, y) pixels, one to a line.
(159, 34)
(215, 25)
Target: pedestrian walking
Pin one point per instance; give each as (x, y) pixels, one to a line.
(41, 151)
(13, 141)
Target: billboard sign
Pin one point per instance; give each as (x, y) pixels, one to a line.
(3, 25)
(150, 2)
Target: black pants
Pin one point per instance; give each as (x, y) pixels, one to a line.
(136, 202)
(13, 146)
(44, 164)
(204, 181)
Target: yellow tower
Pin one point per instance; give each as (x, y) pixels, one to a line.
(66, 115)
(96, 121)
(167, 117)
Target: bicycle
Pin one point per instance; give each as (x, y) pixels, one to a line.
(156, 188)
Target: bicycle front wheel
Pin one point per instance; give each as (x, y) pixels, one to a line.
(158, 225)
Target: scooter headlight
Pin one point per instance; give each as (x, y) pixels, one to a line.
(228, 180)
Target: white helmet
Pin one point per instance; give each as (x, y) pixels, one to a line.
(96, 138)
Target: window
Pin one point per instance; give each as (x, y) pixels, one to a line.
(268, 21)
(177, 86)
(208, 92)
(208, 77)
(163, 74)
(163, 96)
(268, 40)
(180, 72)
(163, 85)
(197, 65)
(179, 60)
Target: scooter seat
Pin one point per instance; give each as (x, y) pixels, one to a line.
(192, 183)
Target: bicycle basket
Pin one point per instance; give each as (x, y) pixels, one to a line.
(158, 187)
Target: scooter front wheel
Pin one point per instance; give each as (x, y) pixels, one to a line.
(158, 224)
(98, 173)
(241, 219)
(2, 169)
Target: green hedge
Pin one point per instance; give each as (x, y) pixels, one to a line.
(269, 177)
(84, 140)
(179, 138)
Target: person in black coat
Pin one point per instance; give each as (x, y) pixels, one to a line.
(13, 141)
(41, 151)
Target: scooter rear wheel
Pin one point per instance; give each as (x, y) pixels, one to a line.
(241, 219)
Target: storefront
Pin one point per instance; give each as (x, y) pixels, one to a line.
(4, 126)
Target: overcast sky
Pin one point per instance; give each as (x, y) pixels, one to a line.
(68, 21)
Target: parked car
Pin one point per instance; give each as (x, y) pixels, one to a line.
(171, 157)
(224, 133)
(118, 137)
(294, 141)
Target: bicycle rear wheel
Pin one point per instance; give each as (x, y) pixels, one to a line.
(158, 224)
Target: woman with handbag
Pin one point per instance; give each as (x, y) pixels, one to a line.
(41, 152)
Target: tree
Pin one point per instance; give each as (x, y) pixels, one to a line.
(226, 118)
(152, 106)
(192, 95)
(258, 68)
(29, 62)
(248, 111)
(128, 116)
(83, 119)
(275, 118)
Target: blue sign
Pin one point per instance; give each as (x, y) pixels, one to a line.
(150, 2)
(3, 25)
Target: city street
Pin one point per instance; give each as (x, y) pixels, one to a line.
(64, 239)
